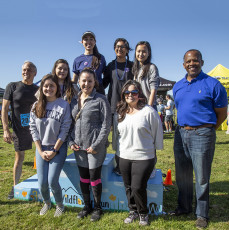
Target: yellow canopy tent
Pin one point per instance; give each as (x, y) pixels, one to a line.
(222, 74)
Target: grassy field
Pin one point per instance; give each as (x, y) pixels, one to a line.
(16, 214)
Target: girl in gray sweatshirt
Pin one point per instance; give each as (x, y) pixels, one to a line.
(50, 121)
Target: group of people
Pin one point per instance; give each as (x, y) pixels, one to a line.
(166, 112)
(76, 113)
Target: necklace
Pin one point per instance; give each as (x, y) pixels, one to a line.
(125, 70)
(87, 59)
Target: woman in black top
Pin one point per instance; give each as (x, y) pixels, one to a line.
(116, 74)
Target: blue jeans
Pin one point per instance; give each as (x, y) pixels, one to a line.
(194, 149)
(48, 173)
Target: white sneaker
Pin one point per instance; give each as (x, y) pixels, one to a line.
(227, 132)
(132, 216)
(144, 219)
(59, 211)
(45, 209)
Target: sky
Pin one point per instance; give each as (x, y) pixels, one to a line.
(43, 31)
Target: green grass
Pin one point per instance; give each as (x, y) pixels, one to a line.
(16, 214)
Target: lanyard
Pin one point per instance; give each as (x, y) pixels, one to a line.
(120, 78)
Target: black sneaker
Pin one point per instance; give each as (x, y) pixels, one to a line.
(84, 212)
(96, 214)
(201, 223)
(117, 171)
(11, 194)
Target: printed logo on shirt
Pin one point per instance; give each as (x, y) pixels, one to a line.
(25, 119)
(53, 114)
(200, 91)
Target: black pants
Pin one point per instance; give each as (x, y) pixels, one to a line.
(91, 177)
(136, 174)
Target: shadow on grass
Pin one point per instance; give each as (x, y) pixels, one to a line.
(222, 143)
(27, 163)
(13, 202)
(168, 136)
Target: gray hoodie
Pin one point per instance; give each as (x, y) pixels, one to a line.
(55, 125)
(93, 125)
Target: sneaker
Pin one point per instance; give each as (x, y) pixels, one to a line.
(84, 212)
(59, 211)
(170, 131)
(45, 209)
(96, 214)
(144, 219)
(132, 216)
(227, 132)
(201, 223)
(11, 194)
(166, 131)
(117, 171)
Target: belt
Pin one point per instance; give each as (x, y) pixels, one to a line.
(196, 127)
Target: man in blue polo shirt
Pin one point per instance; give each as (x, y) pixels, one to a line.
(201, 103)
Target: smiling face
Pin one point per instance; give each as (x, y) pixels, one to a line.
(86, 82)
(49, 90)
(142, 53)
(131, 98)
(28, 73)
(193, 64)
(88, 42)
(61, 72)
(120, 50)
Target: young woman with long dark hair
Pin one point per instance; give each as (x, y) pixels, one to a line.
(62, 71)
(50, 122)
(140, 133)
(91, 58)
(145, 72)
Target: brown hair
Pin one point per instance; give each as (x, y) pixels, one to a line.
(122, 107)
(68, 89)
(91, 71)
(40, 107)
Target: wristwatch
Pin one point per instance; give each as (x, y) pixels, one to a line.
(55, 151)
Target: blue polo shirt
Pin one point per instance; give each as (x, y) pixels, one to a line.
(195, 101)
(84, 61)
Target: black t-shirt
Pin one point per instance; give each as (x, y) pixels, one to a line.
(116, 81)
(21, 97)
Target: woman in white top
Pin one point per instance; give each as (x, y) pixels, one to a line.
(140, 133)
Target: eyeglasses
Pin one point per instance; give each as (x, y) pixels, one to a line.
(133, 92)
(121, 47)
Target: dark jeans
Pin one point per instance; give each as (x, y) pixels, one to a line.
(136, 174)
(194, 149)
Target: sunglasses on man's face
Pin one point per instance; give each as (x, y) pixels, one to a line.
(133, 92)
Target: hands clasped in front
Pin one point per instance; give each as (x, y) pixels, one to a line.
(47, 155)
(76, 147)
